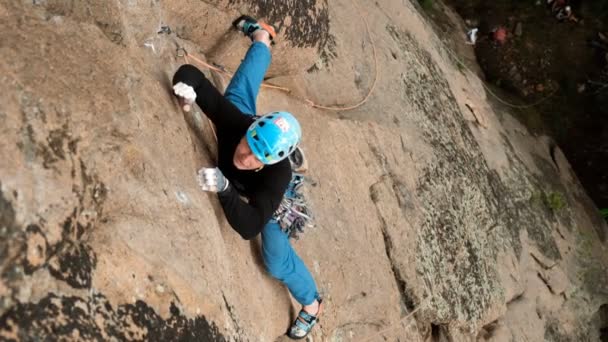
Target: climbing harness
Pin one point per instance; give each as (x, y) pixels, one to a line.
(293, 214)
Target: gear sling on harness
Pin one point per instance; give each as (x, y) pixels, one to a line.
(293, 214)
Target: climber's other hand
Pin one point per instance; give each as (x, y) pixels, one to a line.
(212, 179)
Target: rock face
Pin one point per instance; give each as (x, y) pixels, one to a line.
(438, 216)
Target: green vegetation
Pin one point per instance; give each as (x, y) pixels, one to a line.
(604, 213)
(458, 64)
(555, 201)
(461, 67)
(426, 4)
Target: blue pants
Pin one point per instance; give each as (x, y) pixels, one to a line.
(280, 259)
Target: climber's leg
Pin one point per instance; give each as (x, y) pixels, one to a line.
(284, 264)
(245, 84)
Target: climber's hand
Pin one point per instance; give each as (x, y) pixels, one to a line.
(212, 179)
(185, 94)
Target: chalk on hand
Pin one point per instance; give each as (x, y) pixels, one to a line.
(186, 107)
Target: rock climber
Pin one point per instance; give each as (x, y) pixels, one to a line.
(565, 13)
(252, 162)
(472, 36)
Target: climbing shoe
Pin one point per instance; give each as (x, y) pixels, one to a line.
(249, 25)
(304, 323)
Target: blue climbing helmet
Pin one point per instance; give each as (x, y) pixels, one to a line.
(274, 136)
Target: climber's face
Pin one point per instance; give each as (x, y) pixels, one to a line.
(243, 157)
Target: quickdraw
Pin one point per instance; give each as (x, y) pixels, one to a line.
(293, 214)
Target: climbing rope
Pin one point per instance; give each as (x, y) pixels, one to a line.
(181, 52)
(224, 71)
(371, 89)
(487, 88)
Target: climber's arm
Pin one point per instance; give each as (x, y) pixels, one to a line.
(221, 111)
(248, 219)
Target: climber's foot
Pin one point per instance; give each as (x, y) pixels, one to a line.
(249, 25)
(314, 308)
(306, 320)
